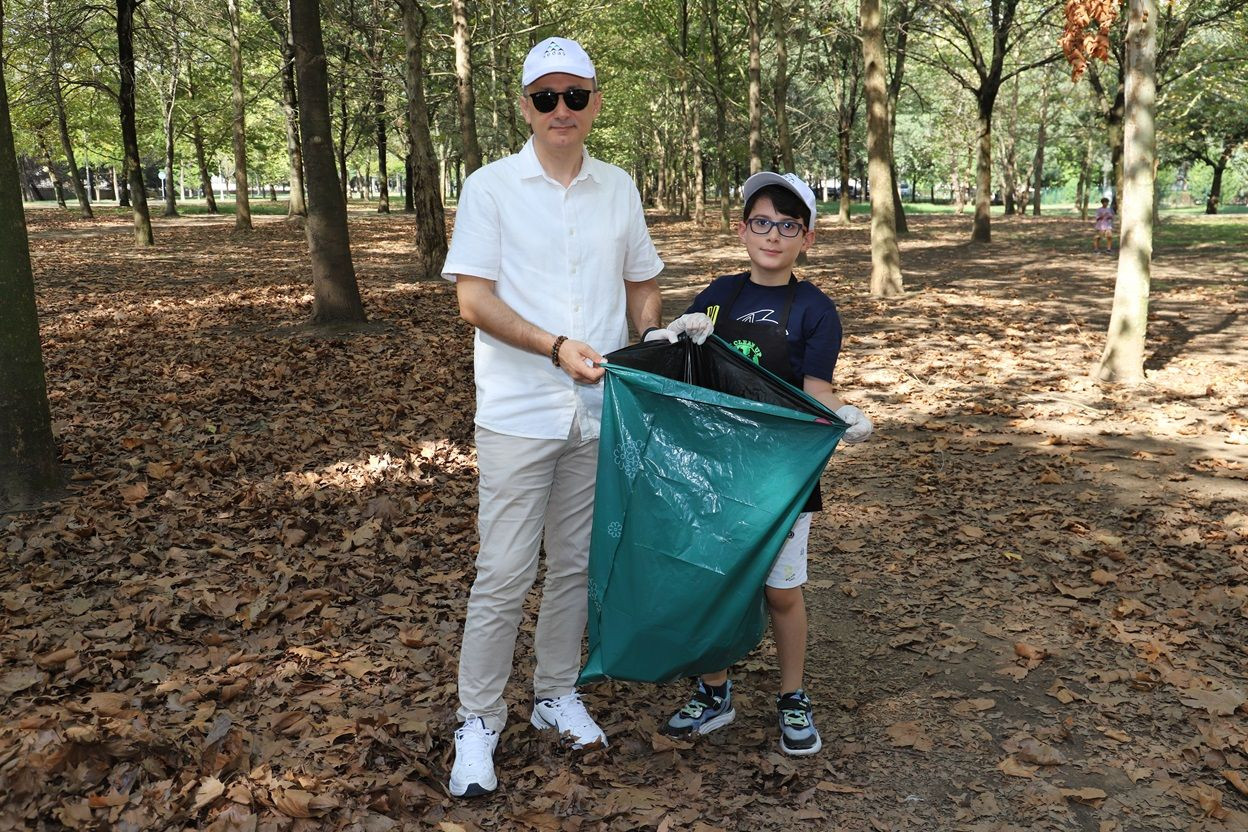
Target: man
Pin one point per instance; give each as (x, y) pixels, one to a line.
(549, 254)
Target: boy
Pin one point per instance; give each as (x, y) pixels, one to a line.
(1103, 226)
(792, 329)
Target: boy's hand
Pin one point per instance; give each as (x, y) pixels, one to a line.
(860, 426)
(695, 325)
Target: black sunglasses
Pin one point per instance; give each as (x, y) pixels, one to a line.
(547, 100)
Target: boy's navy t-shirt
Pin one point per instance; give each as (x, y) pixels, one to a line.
(814, 327)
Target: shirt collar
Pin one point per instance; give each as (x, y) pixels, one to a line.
(531, 166)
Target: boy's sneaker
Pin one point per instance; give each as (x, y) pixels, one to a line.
(472, 774)
(567, 715)
(798, 735)
(702, 714)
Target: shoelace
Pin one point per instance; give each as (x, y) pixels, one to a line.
(700, 702)
(474, 726)
(795, 718)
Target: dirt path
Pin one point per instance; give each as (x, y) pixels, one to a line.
(245, 613)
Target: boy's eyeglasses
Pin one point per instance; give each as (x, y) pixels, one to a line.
(787, 228)
(547, 100)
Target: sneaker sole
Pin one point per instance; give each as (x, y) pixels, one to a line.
(802, 752)
(712, 724)
(474, 790)
(541, 724)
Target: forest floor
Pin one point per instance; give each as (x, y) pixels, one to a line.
(1028, 595)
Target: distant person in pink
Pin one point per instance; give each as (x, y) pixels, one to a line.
(1103, 226)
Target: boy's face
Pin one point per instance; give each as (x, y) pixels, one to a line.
(773, 251)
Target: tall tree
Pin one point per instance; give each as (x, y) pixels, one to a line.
(276, 15)
(754, 27)
(902, 17)
(242, 200)
(721, 113)
(471, 147)
(336, 295)
(1037, 165)
(430, 220)
(28, 467)
(129, 132)
(885, 257)
(1005, 29)
(1123, 357)
(781, 15)
(55, 64)
(377, 69)
(844, 58)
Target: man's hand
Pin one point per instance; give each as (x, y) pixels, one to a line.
(860, 426)
(697, 326)
(577, 359)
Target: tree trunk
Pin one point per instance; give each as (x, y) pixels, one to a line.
(62, 121)
(752, 15)
(1114, 131)
(129, 132)
(430, 220)
(696, 162)
(298, 206)
(205, 178)
(1009, 152)
(121, 187)
(1123, 359)
(1037, 191)
(28, 463)
(721, 118)
(171, 201)
(905, 14)
(781, 14)
(1215, 187)
(383, 174)
(336, 294)
(379, 117)
(409, 204)
(463, 87)
(242, 203)
(981, 231)
(1085, 183)
(842, 159)
(693, 122)
(885, 257)
(57, 188)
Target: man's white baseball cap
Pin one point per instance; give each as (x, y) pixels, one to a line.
(789, 181)
(556, 55)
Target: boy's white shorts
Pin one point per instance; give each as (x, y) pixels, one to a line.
(790, 568)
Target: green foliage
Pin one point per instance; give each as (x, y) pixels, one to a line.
(644, 58)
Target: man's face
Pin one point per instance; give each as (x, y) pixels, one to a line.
(560, 129)
(772, 250)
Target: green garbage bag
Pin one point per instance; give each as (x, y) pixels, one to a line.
(697, 489)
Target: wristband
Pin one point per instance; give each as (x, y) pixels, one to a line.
(554, 351)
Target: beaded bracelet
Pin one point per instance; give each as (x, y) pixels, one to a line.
(554, 351)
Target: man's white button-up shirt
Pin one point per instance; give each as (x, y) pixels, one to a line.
(559, 258)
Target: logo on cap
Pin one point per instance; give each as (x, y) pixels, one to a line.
(554, 48)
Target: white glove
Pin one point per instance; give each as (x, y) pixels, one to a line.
(860, 426)
(696, 325)
(658, 334)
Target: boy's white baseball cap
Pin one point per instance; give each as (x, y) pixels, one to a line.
(556, 55)
(789, 181)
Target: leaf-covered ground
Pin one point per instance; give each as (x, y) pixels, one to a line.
(1029, 605)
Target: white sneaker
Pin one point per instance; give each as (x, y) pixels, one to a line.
(568, 716)
(473, 772)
